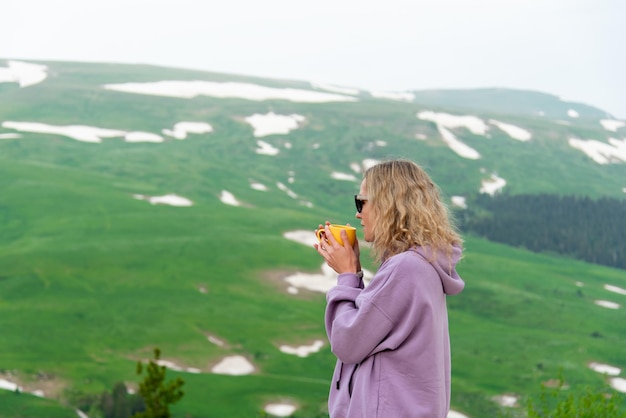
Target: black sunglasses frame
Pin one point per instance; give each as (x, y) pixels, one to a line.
(359, 201)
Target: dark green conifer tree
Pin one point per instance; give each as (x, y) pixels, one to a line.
(157, 395)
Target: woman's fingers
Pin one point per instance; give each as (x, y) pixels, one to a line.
(329, 236)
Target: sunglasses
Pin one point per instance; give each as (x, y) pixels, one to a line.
(359, 201)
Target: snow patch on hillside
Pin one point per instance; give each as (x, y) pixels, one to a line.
(226, 90)
(78, 132)
(287, 190)
(228, 198)
(369, 162)
(572, 113)
(492, 185)
(513, 131)
(142, 137)
(455, 414)
(168, 199)
(10, 136)
(343, 176)
(615, 289)
(459, 201)
(23, 73)
(173, 366)
(258, 186)
(507, 400)
(601, 152)
(361, 167)
(291, 193)
(303, 350)
(280, 409)
(457, 146)
(445, 122)
(607, 304)
(95, 135)
(612, 124)
(394, 95)
(475, 125)
(7, 385)
(265, 148)
(15, 387)
(217, 341)
(605, 369)
(303, 237)
(315, 282)
(234, 366)
(273, 124)
(618, 384)
(182, 129)
(335, 89)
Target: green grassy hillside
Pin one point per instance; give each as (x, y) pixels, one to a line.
(92, 278)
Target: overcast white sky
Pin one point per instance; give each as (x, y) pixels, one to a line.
(572, 48)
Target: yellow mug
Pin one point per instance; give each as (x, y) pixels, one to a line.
(336, 231)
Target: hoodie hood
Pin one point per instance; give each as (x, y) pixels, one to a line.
(445, 265)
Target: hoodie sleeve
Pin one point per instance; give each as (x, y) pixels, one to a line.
(406, 293)
(353, 331)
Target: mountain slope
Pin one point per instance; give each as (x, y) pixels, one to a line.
(95, 272)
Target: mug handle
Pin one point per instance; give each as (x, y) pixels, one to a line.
(319, 234)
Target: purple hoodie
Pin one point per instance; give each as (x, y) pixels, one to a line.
(391, 338)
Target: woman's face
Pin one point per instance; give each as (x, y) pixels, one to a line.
(365, 216)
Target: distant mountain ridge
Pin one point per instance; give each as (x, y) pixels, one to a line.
(508, 101)
(499, 100)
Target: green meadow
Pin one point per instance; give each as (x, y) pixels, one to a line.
(92, 279)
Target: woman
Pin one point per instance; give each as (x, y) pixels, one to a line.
(391, 338)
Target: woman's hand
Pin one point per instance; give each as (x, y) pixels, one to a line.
(357, 252)
(341, 258)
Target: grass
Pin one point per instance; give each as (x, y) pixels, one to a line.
(96, 293)
(20, 405)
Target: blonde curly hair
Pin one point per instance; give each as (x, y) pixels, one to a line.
(408, 210)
